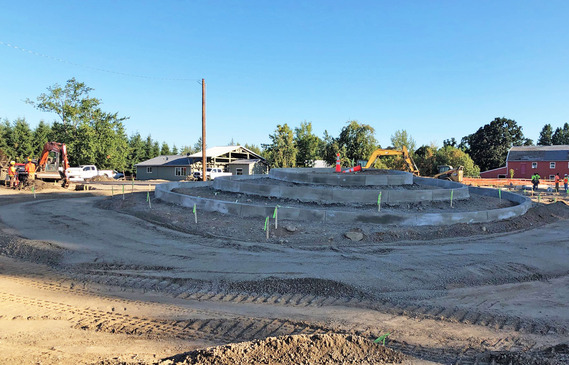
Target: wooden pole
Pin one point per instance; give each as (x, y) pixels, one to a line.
(204, 157)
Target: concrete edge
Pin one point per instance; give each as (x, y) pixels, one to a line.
(164, 192)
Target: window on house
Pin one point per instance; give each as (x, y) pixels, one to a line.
(238, 171)
(181, 171)
(534, 165)
(149, 170)
(552, 165)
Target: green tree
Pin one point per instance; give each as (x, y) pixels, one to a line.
(148, 148)
(136, 152)
(20, 140)
(561, 135)
(92, 136)
(359, 141)
(545, 136)
(401, 138)
(5, 135)
(165, 149)
(41, 135)
(489, 146)
(282, 151)
(155, 149)
(455, 157)
(174, 150)
(255, 149)
(307, 145)
(425, 159)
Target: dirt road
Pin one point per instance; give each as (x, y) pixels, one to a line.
(152, 292)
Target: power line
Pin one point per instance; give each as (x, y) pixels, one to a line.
(61, 60)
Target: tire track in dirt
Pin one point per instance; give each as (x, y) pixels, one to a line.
(418, 311)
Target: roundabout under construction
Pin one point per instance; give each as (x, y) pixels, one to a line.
(294, 267)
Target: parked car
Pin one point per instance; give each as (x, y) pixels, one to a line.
(85, 172)
(211, 173)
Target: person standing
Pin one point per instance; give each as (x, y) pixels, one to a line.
(557, 178)
(12, 174)
(535, 180)
(31, 170)
(566, 183)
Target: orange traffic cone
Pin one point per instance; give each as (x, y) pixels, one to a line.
(338, 167)
(354, 169)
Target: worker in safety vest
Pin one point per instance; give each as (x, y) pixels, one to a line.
(31, 170)
(535, 180)
(557, 179)
(12, 174)
(566, 183)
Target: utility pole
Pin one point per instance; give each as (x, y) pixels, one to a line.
(204, 157)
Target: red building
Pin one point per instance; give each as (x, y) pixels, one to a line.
(527, 160)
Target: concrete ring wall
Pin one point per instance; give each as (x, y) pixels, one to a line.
(329, 177)
(164, 192)
(328, 195)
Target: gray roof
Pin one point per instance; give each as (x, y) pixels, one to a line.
(167, 160)
(539, 153)
(222, 150)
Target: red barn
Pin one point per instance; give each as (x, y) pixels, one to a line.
(527, 160)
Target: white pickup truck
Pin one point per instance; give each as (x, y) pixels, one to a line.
(85, 172)
(211, 173)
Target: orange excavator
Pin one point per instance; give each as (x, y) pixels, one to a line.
(388, 152)
(53, 163)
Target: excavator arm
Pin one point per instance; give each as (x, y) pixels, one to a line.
(387, 152)
(48, 168)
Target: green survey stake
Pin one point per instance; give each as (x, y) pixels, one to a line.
(266, 223)
(379, 201)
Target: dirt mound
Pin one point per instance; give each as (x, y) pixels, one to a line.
(100, 178)
(39, 185)
(296, 349)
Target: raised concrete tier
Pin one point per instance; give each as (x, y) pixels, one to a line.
(329, 177)
(165, 193)
(330, 195)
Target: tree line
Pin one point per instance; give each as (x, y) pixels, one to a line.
(94, 136)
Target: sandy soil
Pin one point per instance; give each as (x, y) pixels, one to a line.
(88, 279)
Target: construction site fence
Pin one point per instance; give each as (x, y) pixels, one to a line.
(478, 181)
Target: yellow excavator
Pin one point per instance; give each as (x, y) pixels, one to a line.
(389, 152)
(447, 172)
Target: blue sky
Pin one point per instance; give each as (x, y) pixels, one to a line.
(438, 69)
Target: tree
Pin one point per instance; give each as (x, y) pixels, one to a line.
(255, 149)
(5, 135)
(545, 136)
(41, 135)
(174, 150)
(450, 142)
(307, 144)
(425, 159)
(561, 135)
(165, 149)
(92, 136)
(455, 157)
(356, 142)
(155, 149)
(136, 151)
(19, 140)
(401, 138)
(489, 146)
(282, 150)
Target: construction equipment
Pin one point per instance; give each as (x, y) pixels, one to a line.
(392, 152)
(53, 163)
(447, 172)
(4, 164)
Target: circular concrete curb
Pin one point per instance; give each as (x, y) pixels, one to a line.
(330, 195)
(164, 192)
(329, 177)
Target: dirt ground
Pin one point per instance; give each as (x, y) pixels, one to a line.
(86, 277)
